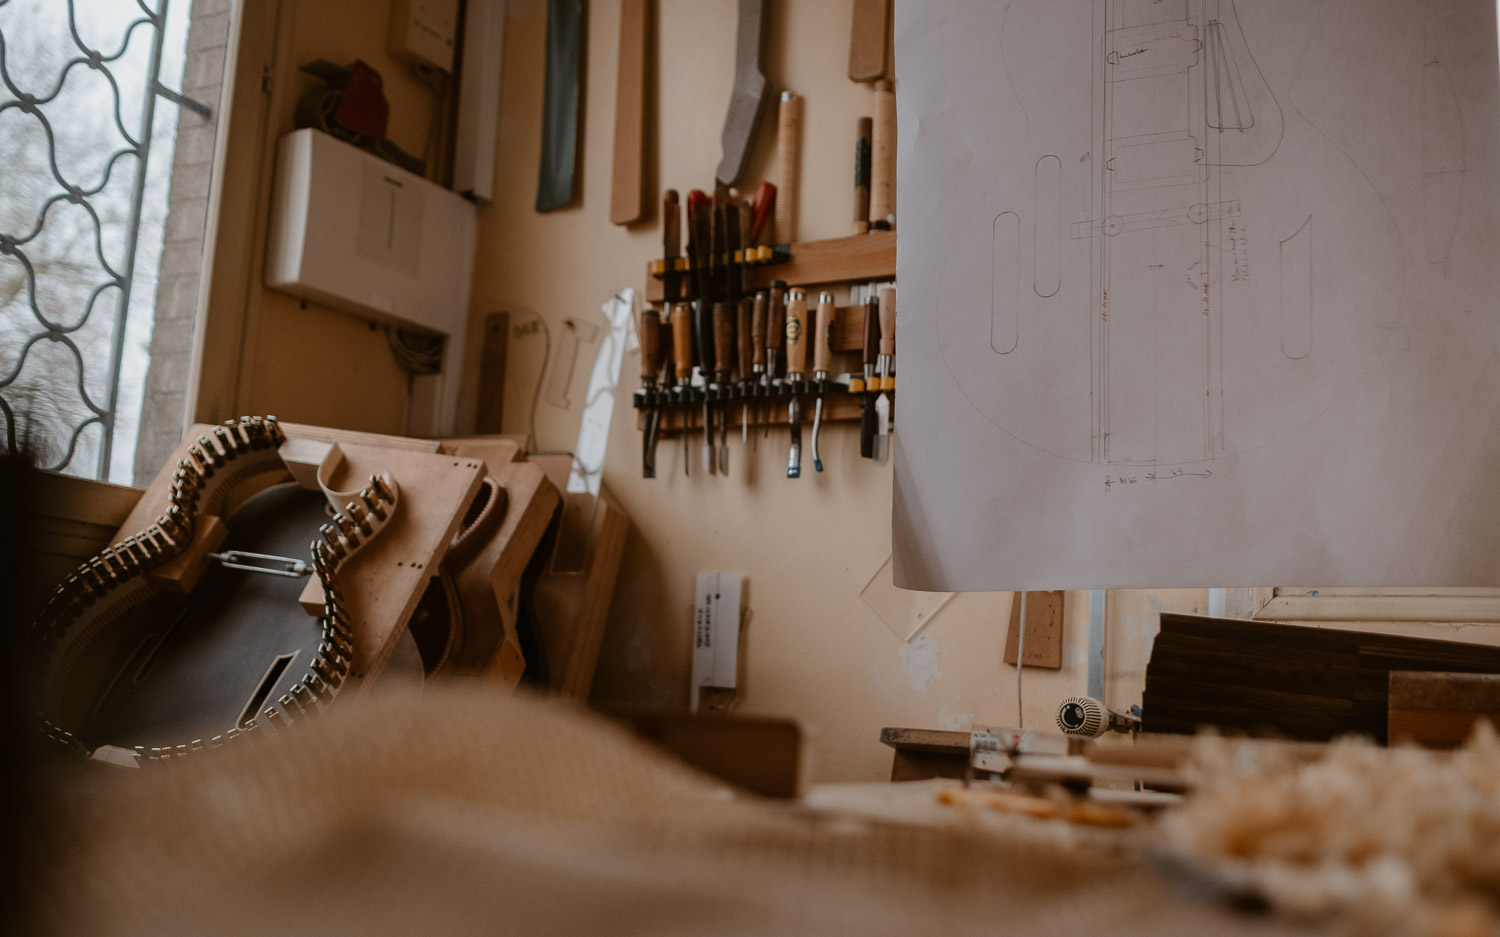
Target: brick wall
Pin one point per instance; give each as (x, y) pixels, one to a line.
(181, 260)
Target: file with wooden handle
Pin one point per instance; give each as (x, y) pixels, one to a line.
(788, 166)
(682, 359)
(883, 158)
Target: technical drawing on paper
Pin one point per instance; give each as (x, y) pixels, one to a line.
(1174, 247)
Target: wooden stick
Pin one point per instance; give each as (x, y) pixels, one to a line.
(883, 148)
(627, 203)
(788, 166)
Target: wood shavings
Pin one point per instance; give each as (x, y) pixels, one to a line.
(1396, 840)
(1041, 808)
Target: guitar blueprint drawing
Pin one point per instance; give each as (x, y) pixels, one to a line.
(1197, 293)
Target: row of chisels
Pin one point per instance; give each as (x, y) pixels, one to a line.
(740, 361)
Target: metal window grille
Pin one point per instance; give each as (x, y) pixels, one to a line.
(26, 372)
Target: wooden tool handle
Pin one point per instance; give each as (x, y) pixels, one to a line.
(862, 176)
(764, 208)
(744, 342)
(788, 166)
(758, 312)
(724, 337)
(796, 332)
(883, 154)
(869, 39)
(776, 316)
(872, 331)
(671, 225)
(650, 343)
(823, 334)
(682, 340)
(887, 320)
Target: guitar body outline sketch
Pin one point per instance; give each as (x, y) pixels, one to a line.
(1157, 283)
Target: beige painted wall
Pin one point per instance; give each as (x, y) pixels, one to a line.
(812, 649)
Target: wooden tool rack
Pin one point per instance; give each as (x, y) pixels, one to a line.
(810, 265)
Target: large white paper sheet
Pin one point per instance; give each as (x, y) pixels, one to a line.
(1197, 293)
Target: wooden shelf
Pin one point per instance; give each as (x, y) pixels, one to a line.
(854, 259)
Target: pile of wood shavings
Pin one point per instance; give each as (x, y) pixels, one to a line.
(1397, 840)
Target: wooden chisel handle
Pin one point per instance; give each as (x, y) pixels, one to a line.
(724, 337)
(823, 335)
(887, 320)
(796, 332)
(788, 166)
(650, 343)
(862, 177)
(872, 332)
(682, 340)
(744, 342)
(883, 155)
(762, 211)
(758, 314)
(775, 320)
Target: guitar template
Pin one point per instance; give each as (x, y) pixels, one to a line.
(1197, 293)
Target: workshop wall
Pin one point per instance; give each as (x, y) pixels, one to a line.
(811, 647)
(313, 364)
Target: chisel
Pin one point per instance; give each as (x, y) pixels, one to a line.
(650, 329)
(682, 358)
(796, 362)
(703, 336)
(758, 374)
(745, 349)
(671, 241)
(775, 332)
(724, 336)
(822, 342)
(887, 379)
(868, 425)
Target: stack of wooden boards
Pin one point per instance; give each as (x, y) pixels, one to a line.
(1298, 682)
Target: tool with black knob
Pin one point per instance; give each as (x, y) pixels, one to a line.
(682, 359)
(775, 334)
(867, 385)
(646, 398)
(724, 336)
(796, 363)
(822, 341)
(886, 367)
(1090, 718)
(744, 346)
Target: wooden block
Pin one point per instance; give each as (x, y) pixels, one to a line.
(1291, 681)
(489, 415)
(181, 572)
(855, 259)
(1439, 710)
(1044, 630)
(759, 754)
(627, 203)
(494, 450)
(868, 40)
(303, 458)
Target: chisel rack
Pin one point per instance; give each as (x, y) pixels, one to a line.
(859, 258)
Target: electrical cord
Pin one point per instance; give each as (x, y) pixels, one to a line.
(416, 352)
(1021, 663)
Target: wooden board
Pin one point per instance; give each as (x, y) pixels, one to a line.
(1439, 710)
(627, 196)
(858, 258)
(383, 582)
(1044, 630)
(869, 39)
(757, 753)
(489, 415)
(1293, 681)
(573, 607)
(69, 520)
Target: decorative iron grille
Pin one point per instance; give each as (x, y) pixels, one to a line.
(60, 366)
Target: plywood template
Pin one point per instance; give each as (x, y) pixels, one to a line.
(1216, 268)
(1044, 630)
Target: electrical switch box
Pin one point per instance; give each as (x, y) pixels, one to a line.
(352, 231)
(425, 31)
